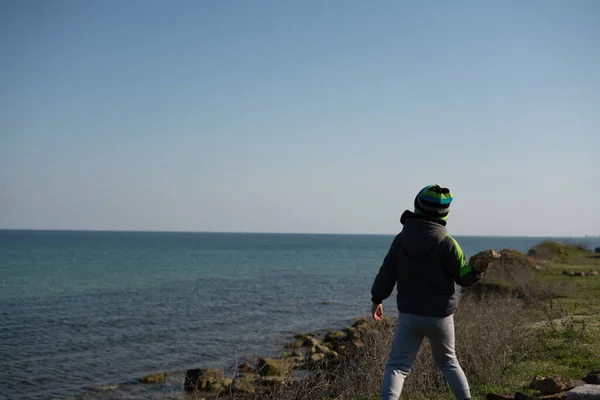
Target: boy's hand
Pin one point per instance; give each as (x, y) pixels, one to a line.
(377, 311)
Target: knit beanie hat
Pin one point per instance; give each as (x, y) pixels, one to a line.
(433, 201)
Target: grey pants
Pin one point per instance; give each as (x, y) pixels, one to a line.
(410, 331)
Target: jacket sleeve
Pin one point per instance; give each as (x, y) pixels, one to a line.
(453, 259)
(383, 286)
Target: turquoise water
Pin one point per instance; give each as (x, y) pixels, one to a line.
(85, 309)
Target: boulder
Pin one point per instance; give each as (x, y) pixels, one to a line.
(584, 392)
(272, 367)
(199, 378)
(310, 341)
(552, 384)
(352, 334)
(361, 322)
(334, 337)
(153, 378)
(319, 349)
(316, 357)
(302, 336)
(593, 378)
(245, 367)
(294, 345)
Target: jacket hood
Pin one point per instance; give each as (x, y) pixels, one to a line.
(421, 234)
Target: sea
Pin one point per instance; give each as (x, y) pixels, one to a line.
(83, 315)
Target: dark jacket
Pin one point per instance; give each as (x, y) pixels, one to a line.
(425, 263)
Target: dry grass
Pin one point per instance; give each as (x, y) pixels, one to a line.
(490, 342)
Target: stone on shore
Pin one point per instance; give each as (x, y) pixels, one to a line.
(593, 378)
(319, 349)
(199, 378)
(245, 368)
(272, 367)
(552, 384)
(310, 341)
(302, 336)
(153, 378)
(295, 345)
(334, 337)
(584, 392)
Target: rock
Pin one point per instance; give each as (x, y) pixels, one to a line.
(319, 349)
(302, 336)
(352, 334)
(480, 261)
(272, 367)
(551, 385)
(316, 357)
(360, 322)
(357, 344)
(494, 396)
(334, 337)
(593, 273)
(199, 378)
(245, 367)
(593, 378)
(310, 341)
(295, 345)
(242, 384)
(153, 378)
(333, 355)
(584, 392)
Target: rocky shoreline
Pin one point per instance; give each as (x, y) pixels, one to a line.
(306, 353)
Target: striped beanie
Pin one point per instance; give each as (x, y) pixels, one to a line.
(433, 201)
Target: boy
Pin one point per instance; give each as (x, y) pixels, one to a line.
(425, 263)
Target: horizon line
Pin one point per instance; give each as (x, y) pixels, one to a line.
(274, 233)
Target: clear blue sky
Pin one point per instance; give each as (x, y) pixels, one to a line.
(306, 116)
